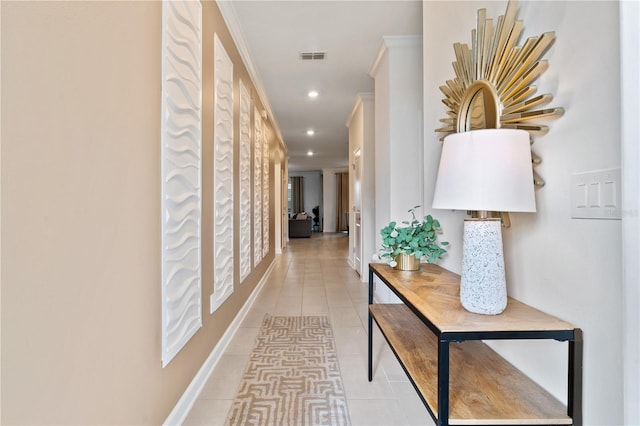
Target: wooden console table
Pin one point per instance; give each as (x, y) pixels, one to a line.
(466, 382)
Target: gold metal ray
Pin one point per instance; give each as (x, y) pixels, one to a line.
(448, 92)
(456, 87)
(531, 115)
(496, 48)
(451, 102)
(528, 104)
(512, 38)
(535, 159)
(533, 129)
(537, 180)
(468, 63)
(506, 25)
(527, 78)
(488, 36)
(474, 58)
(479, 45)
(446, 129)
(509, 65)
(451, 105)
(520, 96)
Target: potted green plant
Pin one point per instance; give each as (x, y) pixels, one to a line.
(417, 239)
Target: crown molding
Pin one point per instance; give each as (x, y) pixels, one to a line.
(231, 20)
(360, 99)
(389, 42)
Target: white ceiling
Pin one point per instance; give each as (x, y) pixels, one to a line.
(350, 32)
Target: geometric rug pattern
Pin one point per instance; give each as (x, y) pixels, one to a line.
(293, 376)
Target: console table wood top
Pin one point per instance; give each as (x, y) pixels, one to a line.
(434, 293)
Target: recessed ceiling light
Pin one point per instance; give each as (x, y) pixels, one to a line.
(313, 94)
(310, 132)
(309, 153)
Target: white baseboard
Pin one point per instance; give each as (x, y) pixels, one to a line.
(188, 398)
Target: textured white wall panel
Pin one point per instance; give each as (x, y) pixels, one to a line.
(222, 175)
(265, 194)
(257, 187)
(181, 138)
(245, 182)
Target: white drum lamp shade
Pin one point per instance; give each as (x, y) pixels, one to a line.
(485, 170)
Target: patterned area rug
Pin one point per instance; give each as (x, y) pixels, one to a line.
(293, 377)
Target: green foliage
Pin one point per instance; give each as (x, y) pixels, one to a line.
(416, 237)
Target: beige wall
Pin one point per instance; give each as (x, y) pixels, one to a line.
(81, 215)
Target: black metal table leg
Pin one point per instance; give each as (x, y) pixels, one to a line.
(443, 382)
(574, 398)
(370, 349)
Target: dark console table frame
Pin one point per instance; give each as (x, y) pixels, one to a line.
(431, 332)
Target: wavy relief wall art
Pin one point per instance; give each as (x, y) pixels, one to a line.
(265, 194)
(222, 175)
(245, 182)
(181, 153)
(257, 187)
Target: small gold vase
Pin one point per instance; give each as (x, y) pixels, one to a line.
(407, 262)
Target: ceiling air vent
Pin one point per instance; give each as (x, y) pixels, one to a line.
(312, 56)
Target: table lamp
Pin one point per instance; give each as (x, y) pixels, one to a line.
(485, 170)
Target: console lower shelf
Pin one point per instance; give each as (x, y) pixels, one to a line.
(484, 388)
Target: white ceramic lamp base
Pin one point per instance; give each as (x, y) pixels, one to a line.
(483, 288)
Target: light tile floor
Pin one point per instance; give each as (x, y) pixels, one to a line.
(312, 277)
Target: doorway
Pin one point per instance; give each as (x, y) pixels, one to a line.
(357, 241)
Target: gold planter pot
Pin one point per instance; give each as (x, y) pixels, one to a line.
(407, 262)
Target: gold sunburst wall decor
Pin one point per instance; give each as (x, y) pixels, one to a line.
(493, 84)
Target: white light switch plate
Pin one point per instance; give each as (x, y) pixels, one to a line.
(596, 195)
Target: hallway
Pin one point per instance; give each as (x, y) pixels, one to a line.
(312, 277)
